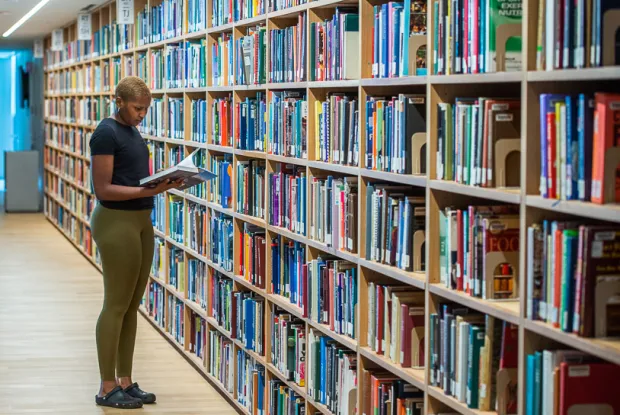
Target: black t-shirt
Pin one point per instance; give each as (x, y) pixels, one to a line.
(131, 159)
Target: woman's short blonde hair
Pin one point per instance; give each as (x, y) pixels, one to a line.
(131, 88)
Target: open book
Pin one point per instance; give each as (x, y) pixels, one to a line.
(186, 169)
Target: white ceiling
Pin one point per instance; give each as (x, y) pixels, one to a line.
(56, 13)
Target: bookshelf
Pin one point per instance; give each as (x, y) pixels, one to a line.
(198, 281)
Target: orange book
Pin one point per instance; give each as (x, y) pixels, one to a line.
(606, 135)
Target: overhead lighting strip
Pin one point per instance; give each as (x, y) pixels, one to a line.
(27, 16)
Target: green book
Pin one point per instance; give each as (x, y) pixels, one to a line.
(476, 341)
(502, 13)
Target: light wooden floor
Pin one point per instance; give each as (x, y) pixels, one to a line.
(50, 298)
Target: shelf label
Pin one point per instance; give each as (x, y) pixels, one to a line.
(84, 26)
(38, 49)
(57, 40)
(124, 12)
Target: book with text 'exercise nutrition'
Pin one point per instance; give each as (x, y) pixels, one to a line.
(186, 169)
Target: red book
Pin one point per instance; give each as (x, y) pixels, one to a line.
(606, 135)
(589, 388)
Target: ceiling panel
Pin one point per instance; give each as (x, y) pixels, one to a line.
(56, 13)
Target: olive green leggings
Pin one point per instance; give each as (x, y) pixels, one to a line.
(125, 242)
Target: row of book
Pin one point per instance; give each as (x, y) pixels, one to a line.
(396, 323)
(197, 236)
(395, 134)
(479, 250)
(574, 34)
(578, 137)
(285, 133)
(75, 200)
(197, 335)
(109, 38)
(395, 223)
(176, 268)
(288, 201)
(465, 36)
(325, 289)
(90, 78)
(158, 215)
(251, 185)
(222, 66)
(75, 171)
(175, 318)
(337, 127)
(250, 57)
(334, 47)
(476, 138)
(87, 110)
(474, 358)
(228, 11)
(333, 212)
(76, 230)
(331, 368)
(164, 21)
(563, 381)
(158, 266)
(197, 282)
(573, 276)
(399, 39)
(287, 52)
(155, 303)
(251, 380)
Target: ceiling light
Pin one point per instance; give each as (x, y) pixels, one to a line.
(26, 17)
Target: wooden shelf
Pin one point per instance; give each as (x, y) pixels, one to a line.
(406, 80)
(585, 74)
(416, 279)
(507, 310)
(499, 195)
(456, 405)
(606, 349)
(608, 212)
(334, 168)
(410, 179)
(413, 376)
(481, 78)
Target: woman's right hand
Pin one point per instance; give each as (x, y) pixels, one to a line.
(165, 185)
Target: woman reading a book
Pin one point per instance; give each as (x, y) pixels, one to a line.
(122, 229)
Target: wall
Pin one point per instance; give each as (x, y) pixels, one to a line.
(21, 124)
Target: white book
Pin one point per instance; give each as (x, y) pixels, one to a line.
(186, 169)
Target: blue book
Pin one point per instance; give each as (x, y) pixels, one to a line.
(537, 378)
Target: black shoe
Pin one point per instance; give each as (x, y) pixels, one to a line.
(134, 391)
(117, 398)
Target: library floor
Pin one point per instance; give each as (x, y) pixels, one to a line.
(50, 297)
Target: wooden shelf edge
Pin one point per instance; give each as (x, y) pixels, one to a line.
(582, 74)
(461, 407)
(492, 308)
(607, 212)
(480, 78)
(414, 376)
(416, 279)
(500, 195)
(410, 179)
(402, 81)
(606, 349)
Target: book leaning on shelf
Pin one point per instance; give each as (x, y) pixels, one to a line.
(186, 170)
